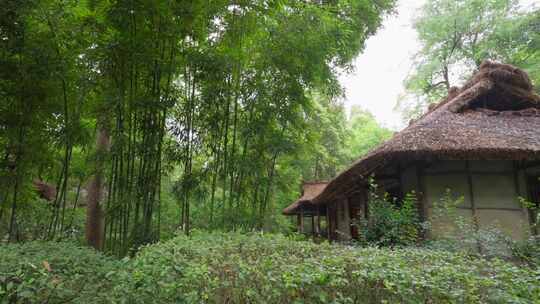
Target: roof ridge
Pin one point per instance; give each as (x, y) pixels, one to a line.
(490, 75)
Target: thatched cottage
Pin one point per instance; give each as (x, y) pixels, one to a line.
(482, 142)
(303, 209)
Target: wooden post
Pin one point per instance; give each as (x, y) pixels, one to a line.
(421, 192)
(471, 193)
(313, 224)
(328, 235)
(400, 180)
(353, 215)
(366, 204)
(421, 198)
(301, 221)
(473, 205)
(515, 167)
(298, 223)
(318, 221)
(346, 218)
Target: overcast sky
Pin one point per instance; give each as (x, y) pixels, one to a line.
(380, 70)
(385, 63)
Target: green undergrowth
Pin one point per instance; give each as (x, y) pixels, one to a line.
(53, 272)
(260, 268)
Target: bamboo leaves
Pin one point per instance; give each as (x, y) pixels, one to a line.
(106, 98)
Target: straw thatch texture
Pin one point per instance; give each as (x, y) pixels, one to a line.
(495, 116)
(309, 191)
(45, 190)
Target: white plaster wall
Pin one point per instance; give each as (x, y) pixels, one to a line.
(437, 187)
(441, 178)
(495, 191)
(495, 195)
(444, 225)
(514, 223)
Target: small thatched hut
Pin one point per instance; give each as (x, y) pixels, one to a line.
(303, 208)
(44, 190)
(482, 142)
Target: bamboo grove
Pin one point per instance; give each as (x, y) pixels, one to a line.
(135, 118)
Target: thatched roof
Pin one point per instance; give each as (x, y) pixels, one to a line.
(309, 191)
(494, 116)
(45, 191)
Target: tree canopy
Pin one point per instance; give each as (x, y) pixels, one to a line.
(158, 115)
(456, 36)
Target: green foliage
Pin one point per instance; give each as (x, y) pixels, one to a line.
(263, 268)
(257, 268)
(527, 251)
(251, 112)
(230, 101)
(456, 36)
(364, 133)
(391, 223)
(51, 272)
(534, 210)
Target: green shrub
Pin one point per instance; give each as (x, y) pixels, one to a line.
(259, 268)
(54, 272)
(391, 222)
(527, 251)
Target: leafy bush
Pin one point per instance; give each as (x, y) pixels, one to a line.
(33, 221)
(52, 272)
(258, 268)
(534, 208)
(527, 251)
(391, 222)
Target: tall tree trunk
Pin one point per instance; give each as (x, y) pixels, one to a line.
(94, 212)
(13, 229)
